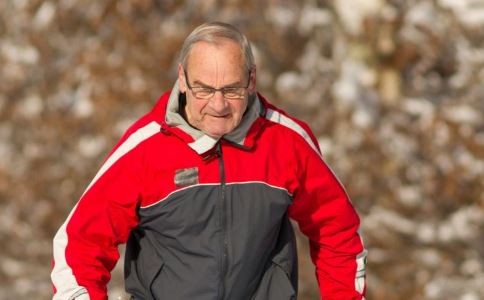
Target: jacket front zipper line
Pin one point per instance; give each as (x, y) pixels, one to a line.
(223, 222)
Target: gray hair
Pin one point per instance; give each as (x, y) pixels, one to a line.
(212, 32)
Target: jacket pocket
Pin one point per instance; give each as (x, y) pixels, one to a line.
(279, 280)
(153, 279)
(141, 268)
(275, 284)
(145, 288)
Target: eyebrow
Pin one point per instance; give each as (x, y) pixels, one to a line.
(201, 84)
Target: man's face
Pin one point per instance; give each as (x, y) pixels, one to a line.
(215, 66)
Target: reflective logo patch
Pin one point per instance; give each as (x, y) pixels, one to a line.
(184, 177)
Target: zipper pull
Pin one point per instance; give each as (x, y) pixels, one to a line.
(218, 148)
(213, 153)
(209, 157)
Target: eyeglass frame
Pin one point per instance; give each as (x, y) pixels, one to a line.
(214, 90)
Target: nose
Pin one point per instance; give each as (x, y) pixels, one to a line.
(218, 102)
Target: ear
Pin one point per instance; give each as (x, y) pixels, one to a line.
(252, 80)
(181, 79)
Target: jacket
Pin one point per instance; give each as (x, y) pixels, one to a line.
(207, 218)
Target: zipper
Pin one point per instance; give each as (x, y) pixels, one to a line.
(223, 222)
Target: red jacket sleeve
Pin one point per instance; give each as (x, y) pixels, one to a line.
(325, 214)
(85, 247)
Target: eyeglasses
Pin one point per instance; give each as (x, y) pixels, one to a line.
(231, 93)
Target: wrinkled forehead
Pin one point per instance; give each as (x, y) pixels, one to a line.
(218, 53)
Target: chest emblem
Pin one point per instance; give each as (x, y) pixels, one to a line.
(185, 177)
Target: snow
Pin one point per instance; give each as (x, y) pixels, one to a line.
(469, 12)
(463, 114)
(410, 196)
(31, 106)
(83, 107)
(45, 15)
(18, 53)
(464, 224)
(353, 12)
(381, 217)
(313, 18)
(92, 146)
(282, 16)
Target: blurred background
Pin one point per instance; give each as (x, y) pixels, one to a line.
(393, 90)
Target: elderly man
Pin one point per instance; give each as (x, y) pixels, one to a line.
(202, 189)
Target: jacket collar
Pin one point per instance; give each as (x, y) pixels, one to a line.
(202, 142)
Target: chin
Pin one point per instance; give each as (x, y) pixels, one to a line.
(217, 133)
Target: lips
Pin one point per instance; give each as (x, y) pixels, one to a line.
(220, 117)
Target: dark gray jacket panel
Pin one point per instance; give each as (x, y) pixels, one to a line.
(192, 246)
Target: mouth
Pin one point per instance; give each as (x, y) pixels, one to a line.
(220, 117)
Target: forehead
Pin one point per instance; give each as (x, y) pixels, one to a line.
(223, 55)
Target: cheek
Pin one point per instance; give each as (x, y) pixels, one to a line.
(195, 109)
(239, 109)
